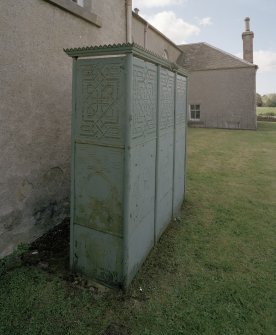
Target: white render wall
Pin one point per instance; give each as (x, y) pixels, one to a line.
(35, 109)
(226, 97)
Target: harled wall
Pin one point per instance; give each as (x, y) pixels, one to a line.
(150, 38)
(226, 97)
(35, 109)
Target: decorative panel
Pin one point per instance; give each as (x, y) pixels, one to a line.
(166, 114)
(165, 152)
(98, 130)
(144, 99)
(128, 160)
(180, 108)
(101, 98)
(179, 143)
(142, 162)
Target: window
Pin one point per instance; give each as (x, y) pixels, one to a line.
(79, 2)
(195, 112)
(79, 8)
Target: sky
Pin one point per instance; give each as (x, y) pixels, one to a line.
(220, 23)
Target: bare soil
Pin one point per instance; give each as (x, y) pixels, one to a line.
(50, 252)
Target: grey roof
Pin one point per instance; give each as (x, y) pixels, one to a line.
(203, 56)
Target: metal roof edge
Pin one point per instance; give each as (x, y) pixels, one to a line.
(124, 48)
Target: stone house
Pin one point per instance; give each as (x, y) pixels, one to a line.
(222, 87)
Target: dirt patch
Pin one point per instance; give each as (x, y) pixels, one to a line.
(51, 251)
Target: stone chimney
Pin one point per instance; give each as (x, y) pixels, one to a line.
(247, 37)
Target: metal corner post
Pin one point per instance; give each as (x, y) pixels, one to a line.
(174, 140)
(157, 150)
(127, 186)
(186, 136)
(72, 202)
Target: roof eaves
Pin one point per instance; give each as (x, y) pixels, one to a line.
(224, 68)
(230, 55)
(221, 51)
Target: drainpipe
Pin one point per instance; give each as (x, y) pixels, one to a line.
(129, 21)
(146, 35)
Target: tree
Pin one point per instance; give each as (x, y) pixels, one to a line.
(269, 100)
(259, 101)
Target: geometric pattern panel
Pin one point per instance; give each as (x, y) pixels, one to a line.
(100, 88)
(180, 108)
(144, 99)
(179, 144)
(166, 117)
(124, 189)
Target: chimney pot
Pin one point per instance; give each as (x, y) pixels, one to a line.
(136, 11)
(247, 24)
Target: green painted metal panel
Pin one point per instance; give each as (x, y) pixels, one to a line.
(179, 143)
(99, 188)
(128, 143)
(142, 163)
(98, 255)
(165, 161)
(98, 130)
(100, 102)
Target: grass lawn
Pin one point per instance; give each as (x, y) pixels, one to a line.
(266, 111)
(213, 271)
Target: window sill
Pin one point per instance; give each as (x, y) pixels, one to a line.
(196, 124)
(77, 10)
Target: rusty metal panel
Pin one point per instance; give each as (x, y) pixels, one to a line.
(165, 151)
(179, 143)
